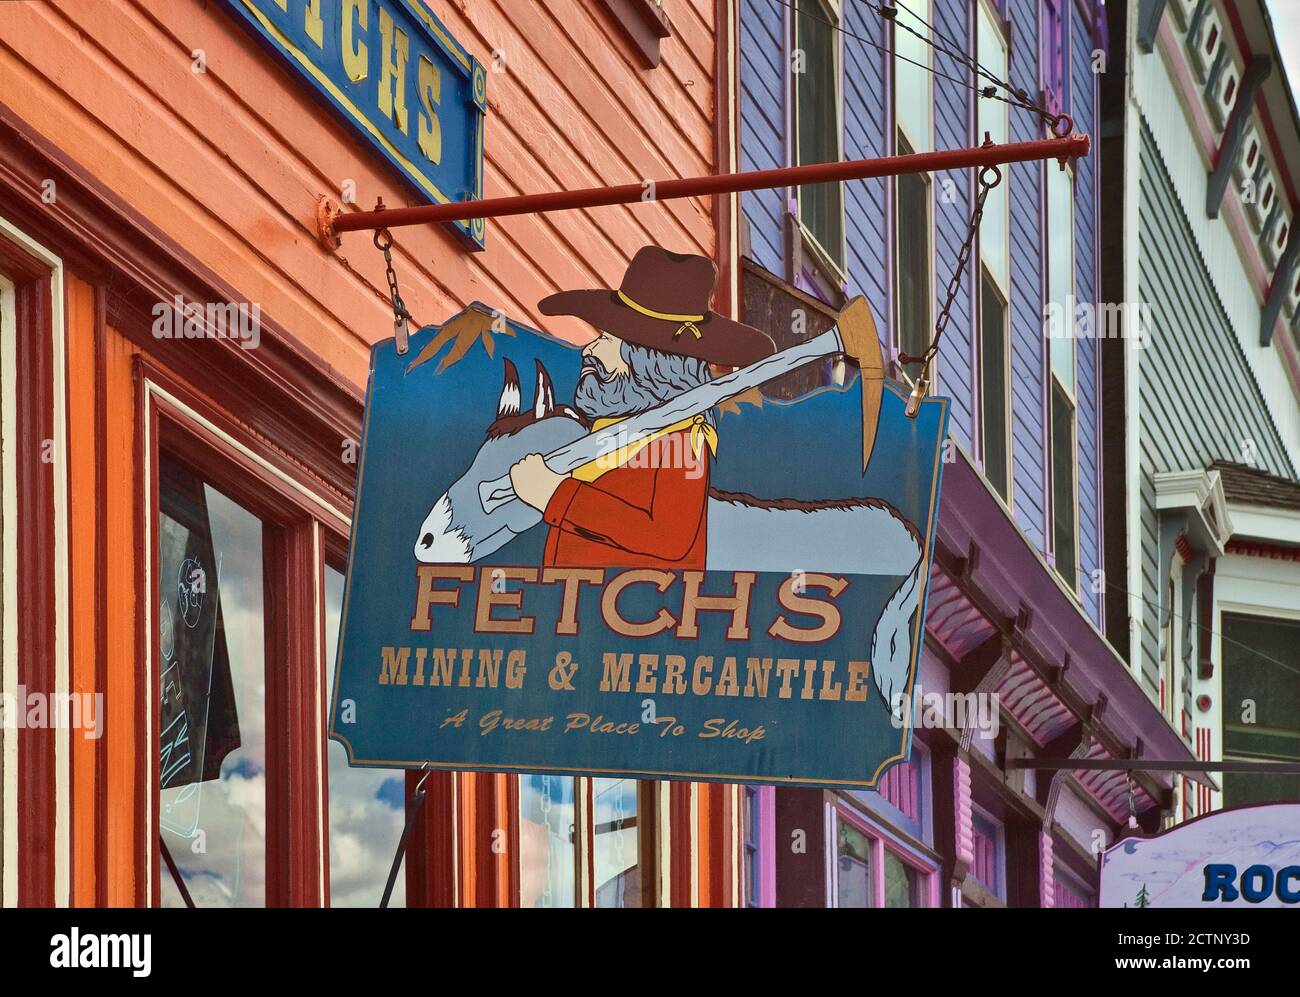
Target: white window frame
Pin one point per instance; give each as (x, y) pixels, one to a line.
(835, 272)
(930, 295)
(916, 144)
(1000, 283)
(1072, 585)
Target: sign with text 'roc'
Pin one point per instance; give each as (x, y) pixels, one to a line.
(627, 559)
(1244, 857)
(397, 77)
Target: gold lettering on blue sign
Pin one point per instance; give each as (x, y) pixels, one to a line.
(355, 53)
(393, 52)
(430, 132)
(313, 24)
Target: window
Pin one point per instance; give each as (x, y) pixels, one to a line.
(1060, 273)
(991, 118)
(1064, 519)
(815, 66)
(989, 867)
(568, 825)
(914, 291)
(1059, 329)
(616, 846)
(758, 842)
(900, 882)
(1169, 670)
(913, 80)
(853, 861)
(237, 661)
(752, 834)
(212, 704)
(1261, 705)
(547, 846)
(995, 387)
(913, 104)
(872, 870)
(993, 330)
(367, 807)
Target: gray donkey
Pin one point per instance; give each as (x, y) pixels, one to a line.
(745, 533)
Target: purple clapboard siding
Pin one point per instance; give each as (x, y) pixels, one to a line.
(867, 121)
(1083, 108)
(899, 787)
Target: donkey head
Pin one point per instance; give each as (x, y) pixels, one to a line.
(457, 530)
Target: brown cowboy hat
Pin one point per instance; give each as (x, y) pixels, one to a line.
(663, 303)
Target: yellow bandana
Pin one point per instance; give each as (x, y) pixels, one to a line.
(701, 433)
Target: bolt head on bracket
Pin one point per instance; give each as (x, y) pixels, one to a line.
(326, 213)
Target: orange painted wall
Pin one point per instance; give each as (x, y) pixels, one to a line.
(230, 163)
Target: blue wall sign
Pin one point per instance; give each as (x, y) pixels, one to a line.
(393, 72)
(780, 658)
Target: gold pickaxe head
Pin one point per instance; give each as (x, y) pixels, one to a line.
(862, 345)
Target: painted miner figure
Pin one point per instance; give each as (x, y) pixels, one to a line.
(644, 505)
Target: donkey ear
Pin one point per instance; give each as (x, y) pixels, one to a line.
(509, 403)
(544, 403)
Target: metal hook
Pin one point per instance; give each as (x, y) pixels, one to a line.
(419, 786)
(384, 243)
(1132, 809)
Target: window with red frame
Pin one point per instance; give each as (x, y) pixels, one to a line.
(367, 807)
(212, 695)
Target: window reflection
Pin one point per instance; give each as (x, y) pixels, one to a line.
(618, 881)
(900, 882)
(547, 843)
(367, 806)
(854, 857)
(212, 762)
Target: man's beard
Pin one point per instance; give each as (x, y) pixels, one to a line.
(652, 379)
(600, 394)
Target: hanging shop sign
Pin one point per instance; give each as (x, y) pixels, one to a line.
(626, 559)
(397, 77)
(1244, 857)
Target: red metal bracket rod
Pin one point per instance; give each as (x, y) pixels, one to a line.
(1064, 148)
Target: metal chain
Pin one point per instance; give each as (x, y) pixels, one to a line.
(1058, 125)
(384, 243)
(954, 282)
